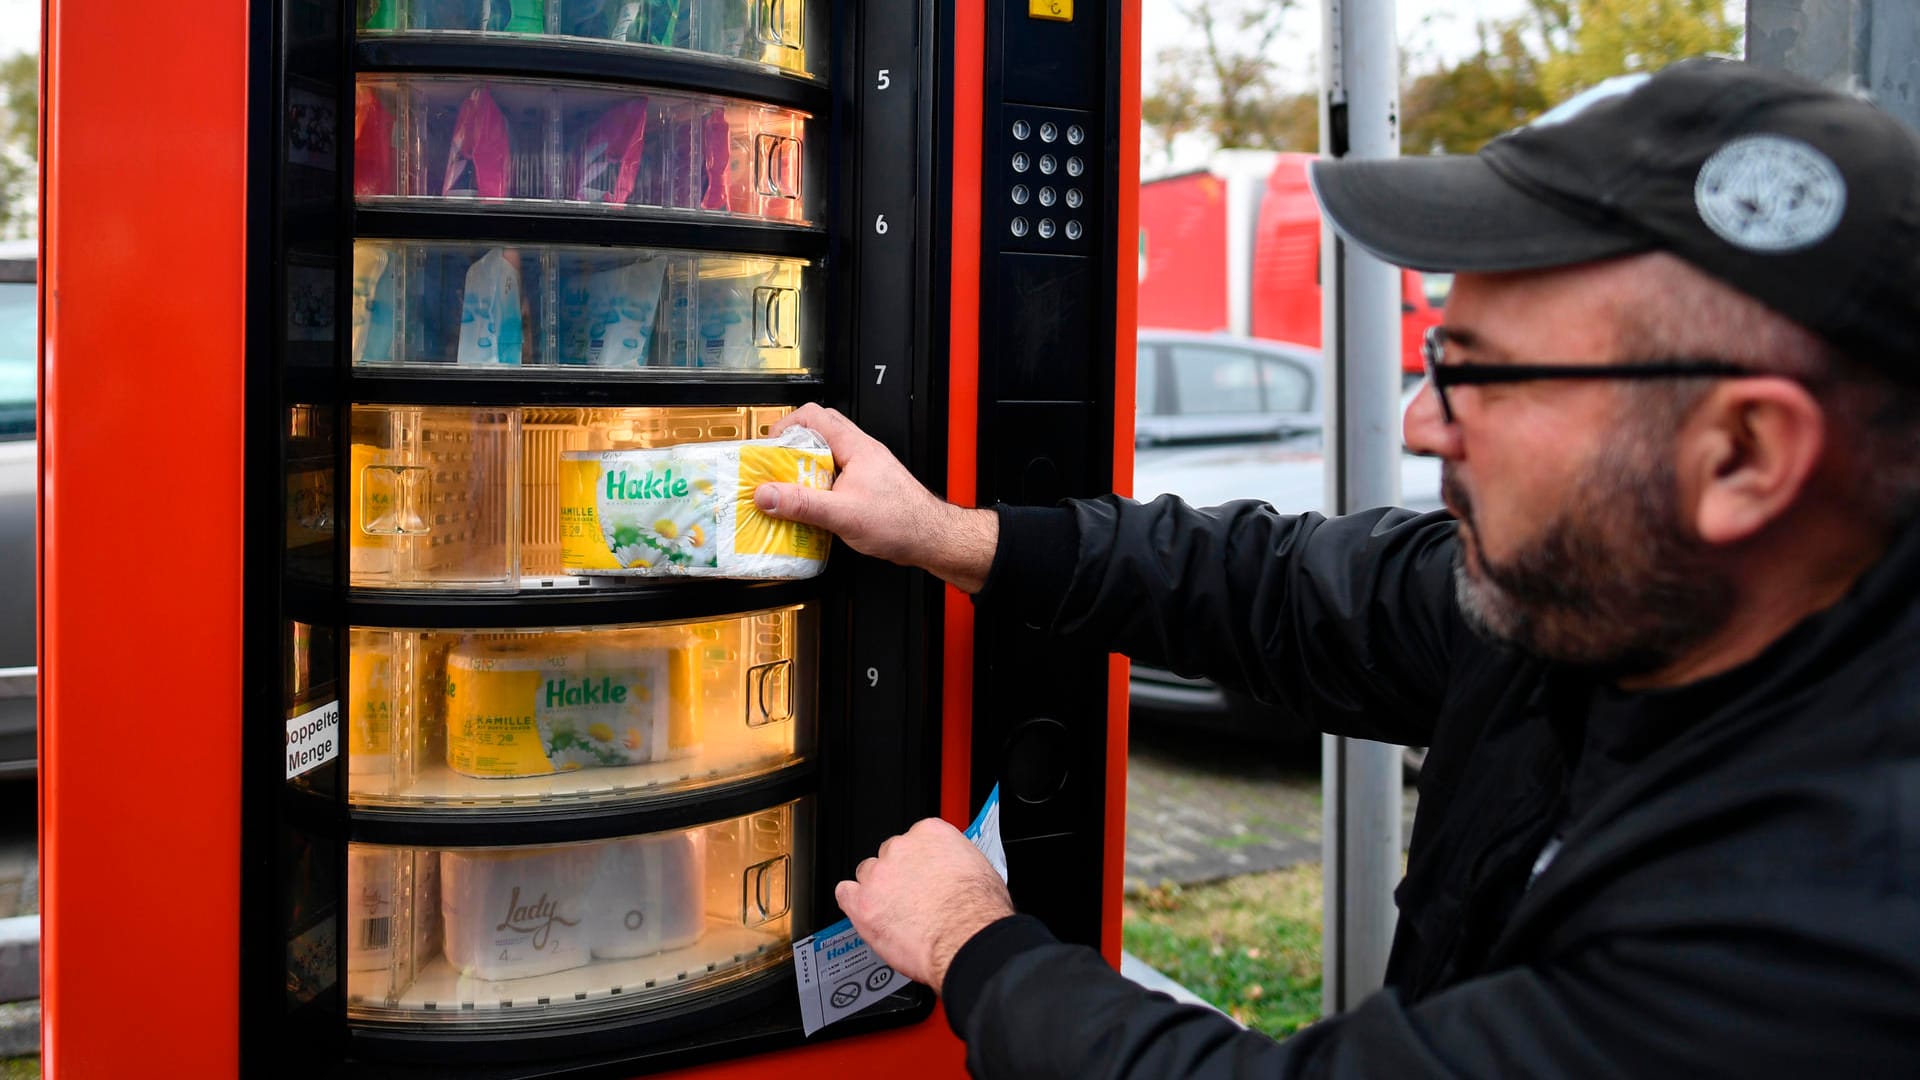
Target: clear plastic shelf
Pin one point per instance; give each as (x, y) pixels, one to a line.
(594, 311)
(519, 937)
(468, 720)
(454, 497)
(520, 143)
(771, 32)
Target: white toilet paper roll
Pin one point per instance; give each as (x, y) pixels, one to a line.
(649, 897)
(513, 914)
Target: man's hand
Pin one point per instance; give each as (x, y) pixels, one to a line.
(878, 508)
(924, 896)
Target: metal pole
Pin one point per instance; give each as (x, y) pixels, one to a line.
(1870, 47)
(1360, 117)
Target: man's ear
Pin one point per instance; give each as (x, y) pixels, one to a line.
(1746, 455)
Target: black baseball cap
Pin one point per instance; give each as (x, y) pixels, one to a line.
(1804, 198)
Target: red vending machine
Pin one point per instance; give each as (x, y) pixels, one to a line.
(404, 329)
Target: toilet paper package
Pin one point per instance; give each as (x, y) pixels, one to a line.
(516, 913)
(650, 895)
(370, 705)
(688, 509)
(370, 889)
(376, 889)
(553, 705)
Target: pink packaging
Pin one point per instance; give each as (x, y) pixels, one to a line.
(373, 167)
(610, 158)
(479, 159)
(719, 155)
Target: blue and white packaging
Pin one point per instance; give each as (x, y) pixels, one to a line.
(838, 972)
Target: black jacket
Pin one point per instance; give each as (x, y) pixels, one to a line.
(1737, 892)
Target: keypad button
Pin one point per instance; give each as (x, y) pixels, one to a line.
(1075, 166)
(1049, 131)
(1021, 162)
(1047, 196)
(1047, 164)
(1076, 134)
(1019, 226)
(1046, 228)
(1022, 130)
(1073, 230)
(1074, 198)
(1021, 194)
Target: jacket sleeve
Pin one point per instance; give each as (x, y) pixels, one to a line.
(1348, 623)
(1733, 1002)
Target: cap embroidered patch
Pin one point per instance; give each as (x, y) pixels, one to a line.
(1769, 193)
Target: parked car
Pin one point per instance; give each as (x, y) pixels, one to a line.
(1255, 435)
(1193, 387)
(19, 375)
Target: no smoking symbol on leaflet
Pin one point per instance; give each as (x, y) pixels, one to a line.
(845, 994)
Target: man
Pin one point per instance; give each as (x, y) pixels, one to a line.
(1664, 645)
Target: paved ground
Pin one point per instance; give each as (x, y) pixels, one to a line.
(1201, 807)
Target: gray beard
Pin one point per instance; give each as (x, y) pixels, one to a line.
(1614, 581)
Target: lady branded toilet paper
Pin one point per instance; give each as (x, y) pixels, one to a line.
(516, 913)
(650, 896)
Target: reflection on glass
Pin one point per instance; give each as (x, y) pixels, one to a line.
(450, 497)
(468, 720)
(648, 312)
(517, 937)
(496, 142)
(769, 32)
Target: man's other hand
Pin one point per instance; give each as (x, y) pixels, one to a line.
(926, 893)
(879, 509)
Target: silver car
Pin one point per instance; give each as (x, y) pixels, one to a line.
(1211, 387)
(19, 375)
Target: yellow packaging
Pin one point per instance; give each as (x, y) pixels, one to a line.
(688, 510)
(370, 552)
(549, 705)
(370, 704)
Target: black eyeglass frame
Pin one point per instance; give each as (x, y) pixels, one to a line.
(1441, 375)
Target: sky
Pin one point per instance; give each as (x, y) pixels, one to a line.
(1434, 29)
(1443, 28)
(19, 26)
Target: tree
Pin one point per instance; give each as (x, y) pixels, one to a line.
(19, 144)
(1224, 87)
(1590, 41)
(1553, 51)
(1455, 110)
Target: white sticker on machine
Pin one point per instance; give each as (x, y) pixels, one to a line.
(313, 738)
(839, 974)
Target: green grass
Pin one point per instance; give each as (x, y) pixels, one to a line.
(20, 1068)
(1250, 945)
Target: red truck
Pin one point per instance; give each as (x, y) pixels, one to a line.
(1235, 248)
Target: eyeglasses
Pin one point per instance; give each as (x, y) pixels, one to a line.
(1443, 375)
